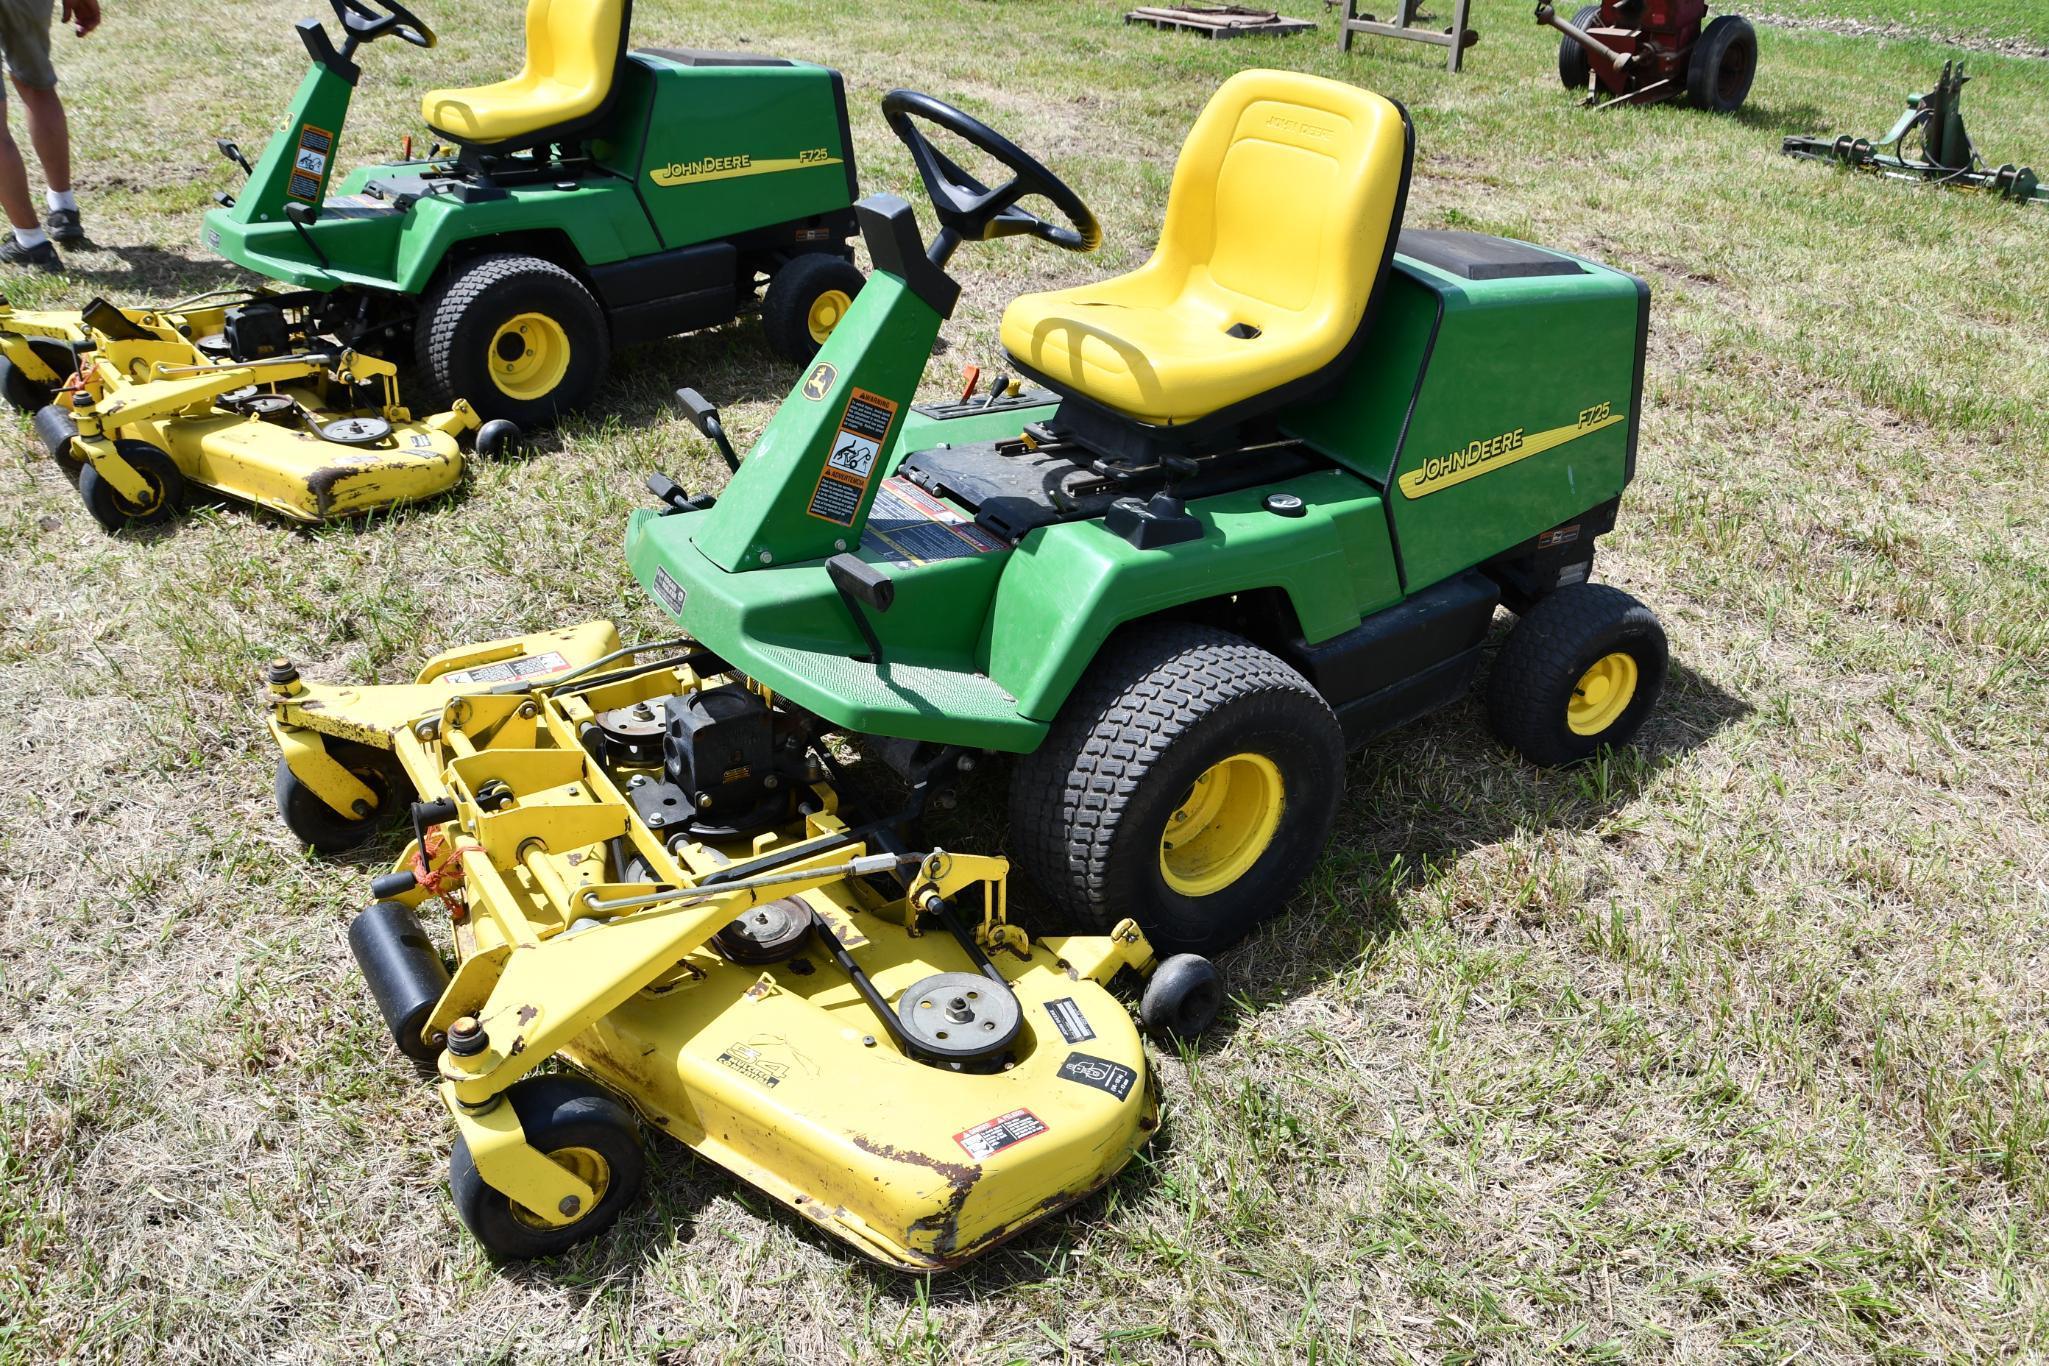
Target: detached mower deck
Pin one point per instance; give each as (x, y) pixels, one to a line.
(140, 404)
(796, 997)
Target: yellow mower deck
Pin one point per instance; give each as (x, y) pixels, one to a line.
(783, 1074)
(249, 429)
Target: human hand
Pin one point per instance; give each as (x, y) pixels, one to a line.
(82, 15)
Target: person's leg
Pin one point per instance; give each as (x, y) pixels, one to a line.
(50, 132)
(14, 192)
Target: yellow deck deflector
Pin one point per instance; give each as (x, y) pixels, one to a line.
(572, 50)
(1277, 226)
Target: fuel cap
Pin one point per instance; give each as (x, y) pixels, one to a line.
(1284, 505)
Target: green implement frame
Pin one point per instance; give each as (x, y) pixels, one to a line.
(1948, 156)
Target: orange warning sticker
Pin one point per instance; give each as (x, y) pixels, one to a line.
(856, 448)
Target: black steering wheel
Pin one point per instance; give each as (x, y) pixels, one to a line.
(966, 207)
(364, 20)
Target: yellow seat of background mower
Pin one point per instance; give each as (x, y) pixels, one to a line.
(1277, 227)
(572, 52)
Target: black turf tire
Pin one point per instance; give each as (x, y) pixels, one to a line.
(1723, 64)
(556, 1112)
(328, 831)
(463, 312)
(1547, 653)
(115, 513)
(1574, 66)
(786, 308)
(1162, 702)
(1182, 997)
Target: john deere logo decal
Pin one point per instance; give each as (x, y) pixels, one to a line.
(818, 383)
(1500, 451)
(740, 164)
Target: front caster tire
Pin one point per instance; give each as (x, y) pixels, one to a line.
(519, 337)
(583, 1128)
(1581, 669)
(328, 831)
(806, 299)
(113, 510)
(1183, 997)
(1189, 783)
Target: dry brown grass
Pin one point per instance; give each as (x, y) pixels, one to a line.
(1732, 1046)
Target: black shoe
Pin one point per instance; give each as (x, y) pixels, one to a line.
(41, 256)
(64, 226)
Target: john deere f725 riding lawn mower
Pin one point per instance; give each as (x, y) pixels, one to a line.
(1275, 487)
(598, 198)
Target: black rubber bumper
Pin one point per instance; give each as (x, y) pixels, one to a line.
(405, 973)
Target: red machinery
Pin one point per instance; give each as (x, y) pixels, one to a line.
(1638, 51)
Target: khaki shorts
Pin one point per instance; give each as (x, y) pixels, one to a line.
(25, 42)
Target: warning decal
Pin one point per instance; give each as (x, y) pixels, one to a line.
(527, 666)
(910, 526)
(992, 1136)
(309, 167)
(669, 591)
(855, 448)
(1100, 1073)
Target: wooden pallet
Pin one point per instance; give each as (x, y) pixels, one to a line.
(1217, 21)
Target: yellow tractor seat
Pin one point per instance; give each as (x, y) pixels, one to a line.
(1280, 223)
(573, 51)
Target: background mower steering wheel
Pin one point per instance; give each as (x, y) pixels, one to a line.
(970, 210)
(365, 20)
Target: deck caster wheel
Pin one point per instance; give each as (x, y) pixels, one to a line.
(584, 1129)
(113, 510)
(1581, 669)
(1183, 997)
(1723, 64)
(328, 831)
(806, 299)
(519, 337)
(27, 395)
(496, 438)
(1189, 782)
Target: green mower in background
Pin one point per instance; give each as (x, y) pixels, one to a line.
(598, 198)
(1252, 504)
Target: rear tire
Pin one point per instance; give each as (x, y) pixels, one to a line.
(1189, 783)
(1580, 670)
(520, 338)
(1575, 68)
(1723, 64)
(113, 510)
(806, 299)
(583, 1127)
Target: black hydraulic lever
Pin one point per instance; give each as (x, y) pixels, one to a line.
(302, 216)
(234, 153)
(861, 584)
(704, 415)
(676, 496)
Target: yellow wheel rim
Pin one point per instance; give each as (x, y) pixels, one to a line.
(1223, 825)
(529, 356)
(1602, 694)
(826, 311)
(587, 1165)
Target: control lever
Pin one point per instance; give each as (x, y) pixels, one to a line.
(704, 415)
(861, 584)
(998, 388)
(234, 153)
(673, 493)
(302, 216)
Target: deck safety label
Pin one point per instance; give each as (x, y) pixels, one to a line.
(1068, 1019)
(1100, 1073)
(527, 666)
(992, 1136)
(909, 526)
(856, 446)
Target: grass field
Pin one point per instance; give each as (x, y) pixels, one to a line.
(1731, 1046)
